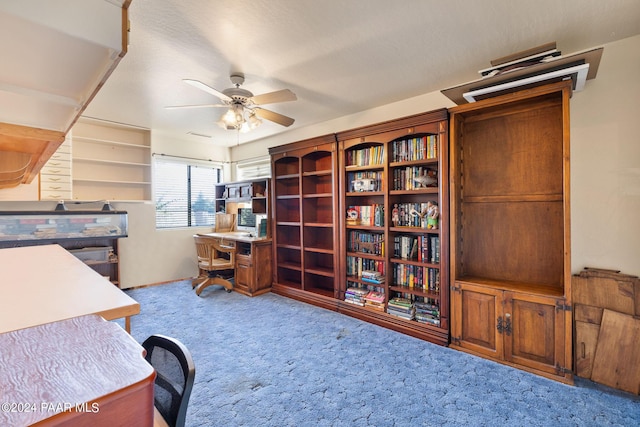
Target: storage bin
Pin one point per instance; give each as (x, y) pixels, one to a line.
(93, 254)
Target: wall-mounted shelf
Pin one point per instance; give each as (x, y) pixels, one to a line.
(110, 161)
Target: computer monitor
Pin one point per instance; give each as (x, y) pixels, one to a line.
(246, 220)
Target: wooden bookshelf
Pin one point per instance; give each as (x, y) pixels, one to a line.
(510, 267)
(304, 226)
(392, 158)
(327, 228)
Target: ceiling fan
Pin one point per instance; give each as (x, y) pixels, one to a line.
(245, 110)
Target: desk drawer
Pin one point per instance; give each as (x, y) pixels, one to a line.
(55, 186)
(46, 179)
(55, 195)
(245, 260)
(62, 169)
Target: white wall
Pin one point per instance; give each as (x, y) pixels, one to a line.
(605, 164)
(605, 175)
(153, 256)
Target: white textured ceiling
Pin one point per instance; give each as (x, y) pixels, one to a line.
(339, 56)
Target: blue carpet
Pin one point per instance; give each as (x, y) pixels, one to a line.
(273, 361)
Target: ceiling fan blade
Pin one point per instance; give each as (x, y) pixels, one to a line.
(208, 89)
(175, 107)
(274, 117)
(283, 95)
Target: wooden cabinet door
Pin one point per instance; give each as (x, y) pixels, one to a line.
(535, 331)
(244, 274)
(474, 325)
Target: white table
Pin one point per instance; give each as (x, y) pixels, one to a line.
(43, 284)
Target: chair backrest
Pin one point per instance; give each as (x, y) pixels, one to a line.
(225, 222)
(204, 249)
(208, 247)
(175, 372)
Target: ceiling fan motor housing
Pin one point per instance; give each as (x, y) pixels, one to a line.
(238, 94)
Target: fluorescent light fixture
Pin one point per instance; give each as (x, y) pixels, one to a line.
(578, 82)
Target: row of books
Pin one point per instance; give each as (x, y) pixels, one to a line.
(370, 243)
(414, 178)
(419, 148)
(356, 265)
(420, 248)
(372, 276)
(365, 156)
(408, 307)
(365, 298)
(427, 313)
(366, 215)
(375, 176)
(410, 214)
(416, 277)
(421, 311)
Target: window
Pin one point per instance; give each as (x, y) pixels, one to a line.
(185, 193)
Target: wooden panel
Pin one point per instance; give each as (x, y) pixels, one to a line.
(588, 314)
(607, 289)
(262, 264)
(585, 347)
(25, 151)
(617, 359)
(520, 242)
(514, 153)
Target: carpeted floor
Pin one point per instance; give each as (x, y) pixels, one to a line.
(273, 361)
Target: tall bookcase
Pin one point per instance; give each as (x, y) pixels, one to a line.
(305, 227)
(394, 259)
(510, 267)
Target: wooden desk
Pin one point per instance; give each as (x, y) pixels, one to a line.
(253, 262)
(43, 284)
(83, 371)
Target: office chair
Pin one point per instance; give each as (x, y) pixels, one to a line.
(175, 372)
(214, 256)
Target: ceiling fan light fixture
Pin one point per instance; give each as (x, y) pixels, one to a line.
(229, 120)
(254, 121)
(234, 119)
(244, 127)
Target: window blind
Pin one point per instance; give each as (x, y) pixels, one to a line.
(184, 193)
